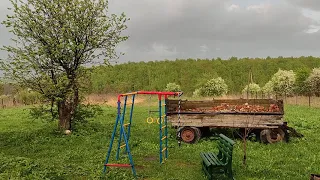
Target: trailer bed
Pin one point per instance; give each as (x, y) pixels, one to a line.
(230, 113)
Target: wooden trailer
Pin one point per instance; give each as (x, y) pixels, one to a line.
(261, 116)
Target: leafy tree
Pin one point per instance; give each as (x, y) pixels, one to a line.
(197, 92)
(314, 81)
(173, 87)
(191, 74)
(252, 88)
(268, 88)
(214, 87)
(283, 82)
(301, 85)
(54, 40)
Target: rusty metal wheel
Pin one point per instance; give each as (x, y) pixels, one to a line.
(272, 135)
(190, 134)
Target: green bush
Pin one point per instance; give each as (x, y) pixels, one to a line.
(173, 87)
(213, 87)
(283, 82)
(252, 89)
(28, 97)
(313, 81)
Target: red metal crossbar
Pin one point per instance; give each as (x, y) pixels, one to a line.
(159, 93)
(118, 165)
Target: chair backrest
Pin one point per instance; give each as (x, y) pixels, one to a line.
(225, 146)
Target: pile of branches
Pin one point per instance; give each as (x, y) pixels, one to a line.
(224, 107)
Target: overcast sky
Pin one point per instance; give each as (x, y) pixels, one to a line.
(170, 29)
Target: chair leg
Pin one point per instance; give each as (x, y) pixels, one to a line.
(229, 172)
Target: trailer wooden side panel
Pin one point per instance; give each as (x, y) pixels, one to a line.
(225, 120)
(254, 113)
(206, 105)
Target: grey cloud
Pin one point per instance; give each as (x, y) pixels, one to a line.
(166, 29)
(258, 30)
(4, 34)
(310, 4)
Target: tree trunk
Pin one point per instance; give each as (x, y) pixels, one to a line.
(67, 109)
(64, 111)
(309, 99)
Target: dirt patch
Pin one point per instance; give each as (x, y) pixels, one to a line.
(139, 166)
(109, 99)
(150, 158)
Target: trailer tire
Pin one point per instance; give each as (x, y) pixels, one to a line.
(272, 135)
(189, 135)
(198, 131)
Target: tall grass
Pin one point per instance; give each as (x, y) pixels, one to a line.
(32, 149)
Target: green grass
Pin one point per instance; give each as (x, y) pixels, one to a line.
(32, 149)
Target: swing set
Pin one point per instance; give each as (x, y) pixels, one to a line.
(124, 128)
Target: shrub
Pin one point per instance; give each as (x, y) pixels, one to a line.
(197, 92)
(252, 89)
(283, 82)
(267, 88)
(28, 96)
(301, 85)
(173, 87)
(313, 81)
(214, 87)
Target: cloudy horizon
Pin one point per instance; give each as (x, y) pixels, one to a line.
(165, 29)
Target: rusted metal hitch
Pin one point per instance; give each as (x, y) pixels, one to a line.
(290, 132)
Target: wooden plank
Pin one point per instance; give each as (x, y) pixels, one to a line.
(227, 118)
(228, 122)
(213, 113)
(229, 101)
(208, 118)
(172, 105)
(227, 125)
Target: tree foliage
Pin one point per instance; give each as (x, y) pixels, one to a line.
(54, 40)
(268, 88)
(188, 73)
(252, 89)
(173, 87)
(314, 81)
(302, 87)
(213, 87)
(283, 82)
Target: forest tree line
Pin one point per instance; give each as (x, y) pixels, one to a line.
(191, 73)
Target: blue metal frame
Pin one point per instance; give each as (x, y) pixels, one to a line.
(112, 137)
(131, 113)
(120, 120)
(121, 125)
(126, 136)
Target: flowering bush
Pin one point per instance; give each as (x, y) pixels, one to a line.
(283, 82)
(268, 88)
(197, 92)
(252, 88)
(313, 81)
(213, 87)
(173, 87)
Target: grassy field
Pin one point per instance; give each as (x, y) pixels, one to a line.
(32, 149)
